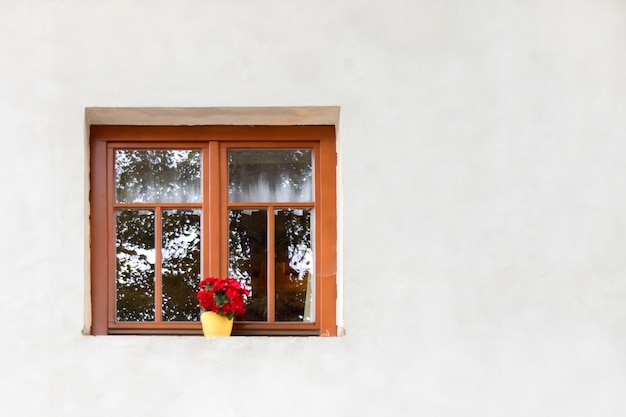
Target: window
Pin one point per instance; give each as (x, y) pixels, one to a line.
(173, 204)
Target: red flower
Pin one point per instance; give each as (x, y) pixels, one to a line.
(224, 296)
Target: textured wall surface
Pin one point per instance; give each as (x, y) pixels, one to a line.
(483, 203)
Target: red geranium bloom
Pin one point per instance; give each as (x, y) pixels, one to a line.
(224, 296)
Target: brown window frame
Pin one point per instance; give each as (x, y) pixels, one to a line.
(214, 140)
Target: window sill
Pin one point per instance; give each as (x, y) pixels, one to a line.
(194, 332)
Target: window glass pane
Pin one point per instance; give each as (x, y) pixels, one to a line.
(294, 264)
(270, 175)
(135, 255)
(157, 176)
(180, 264)
(247, 258)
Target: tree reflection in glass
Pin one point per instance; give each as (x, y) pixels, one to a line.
(270, 175)
(294, 264)
(157, 176)
(180, 264)
(135, 255)
(247, 258)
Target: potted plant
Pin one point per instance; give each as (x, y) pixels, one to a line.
(221, 300)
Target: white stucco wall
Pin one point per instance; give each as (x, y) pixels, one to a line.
(483, 176)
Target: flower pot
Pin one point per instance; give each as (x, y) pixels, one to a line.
(215, 325)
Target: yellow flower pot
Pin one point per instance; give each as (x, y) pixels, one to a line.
(215, 325)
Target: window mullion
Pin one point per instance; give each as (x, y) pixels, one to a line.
(205, 222)
(271, 266)
(212, 207)
(158, 261)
